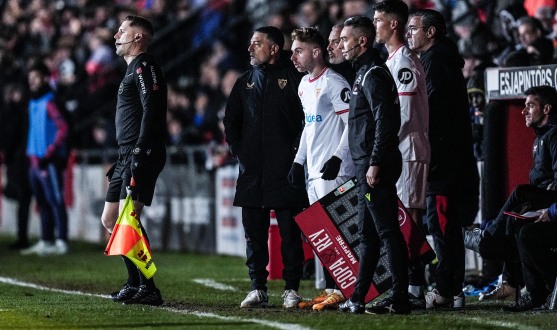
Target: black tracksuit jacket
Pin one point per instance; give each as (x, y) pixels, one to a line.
(374, 118)
(263, 124)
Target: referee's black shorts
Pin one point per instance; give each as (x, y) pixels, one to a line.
(121, 178)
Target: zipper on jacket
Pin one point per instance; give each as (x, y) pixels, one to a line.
(263, 136)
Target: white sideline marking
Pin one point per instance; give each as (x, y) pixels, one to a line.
(213, 284)
(282, 326)
(219, 286)
(40, 287)
(502, 324)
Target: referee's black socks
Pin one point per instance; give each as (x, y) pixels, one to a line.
(133, 276)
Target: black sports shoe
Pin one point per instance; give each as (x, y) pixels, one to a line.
(126, 293)
(416, 302)
(389, 306)
(352, 307)
(145, 296)
(546, 304)
(525, 303)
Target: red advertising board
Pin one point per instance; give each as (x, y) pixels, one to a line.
(330, 237)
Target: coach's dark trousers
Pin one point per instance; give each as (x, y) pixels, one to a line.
(256, 223)
(378, 221)
(443, 222)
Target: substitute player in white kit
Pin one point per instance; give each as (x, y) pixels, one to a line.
(325, 95)
(390, 20)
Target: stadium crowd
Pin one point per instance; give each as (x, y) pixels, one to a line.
(74, 39)
(201, 46)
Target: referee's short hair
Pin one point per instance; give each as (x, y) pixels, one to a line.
(274, 35)
(309, 35)
(361, 26)
(141, 22)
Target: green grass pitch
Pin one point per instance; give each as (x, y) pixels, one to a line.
(191, 304)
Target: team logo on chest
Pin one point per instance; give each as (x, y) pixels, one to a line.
(317, 92)
(282, 83)
(250, 86)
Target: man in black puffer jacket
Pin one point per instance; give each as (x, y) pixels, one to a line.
(263, 123)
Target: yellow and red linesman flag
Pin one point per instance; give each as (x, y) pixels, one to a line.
(127, 239)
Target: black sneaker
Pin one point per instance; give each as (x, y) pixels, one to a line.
(126, 293)
(389, 306)
(525, 303)
(145, 296)
(546, 304)
(416, 302)
(354, 308)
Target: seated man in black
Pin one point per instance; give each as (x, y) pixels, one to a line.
(498, 242)
(539, 263)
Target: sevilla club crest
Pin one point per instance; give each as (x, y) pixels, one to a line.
(282, 83)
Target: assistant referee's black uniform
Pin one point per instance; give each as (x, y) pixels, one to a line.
(140, 128)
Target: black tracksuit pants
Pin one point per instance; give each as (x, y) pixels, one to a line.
(378, 221)
(256, 223)
(444, 225)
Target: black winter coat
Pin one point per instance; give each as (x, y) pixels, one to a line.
(452, 165)
(544, 171)
(374, 118)
(263, 124)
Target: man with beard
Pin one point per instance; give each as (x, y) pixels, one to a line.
(337, 62)
(263, 124)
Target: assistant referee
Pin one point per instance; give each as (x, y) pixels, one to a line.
(140, 131)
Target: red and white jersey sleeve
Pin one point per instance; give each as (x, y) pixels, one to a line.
(325, 100)
(409, 76)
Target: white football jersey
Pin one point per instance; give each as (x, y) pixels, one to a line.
(409, 75)
(325, 100)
